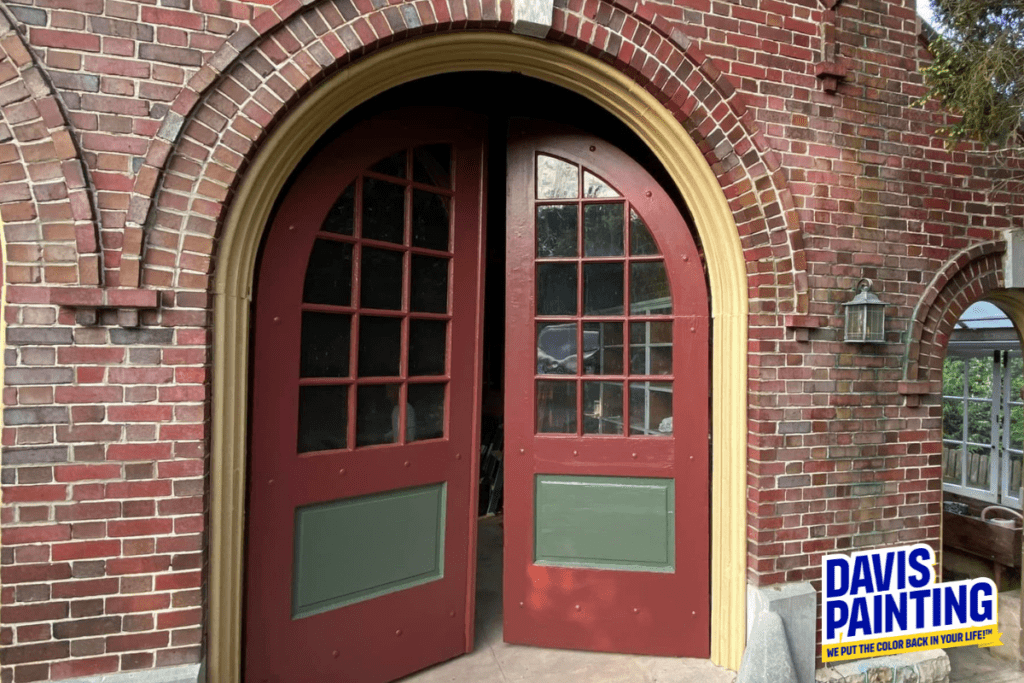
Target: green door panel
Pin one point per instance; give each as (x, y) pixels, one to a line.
(605, 522)
(355, 549)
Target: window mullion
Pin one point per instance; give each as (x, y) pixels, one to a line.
(964, 433)
(1004, 426)
(993, 413)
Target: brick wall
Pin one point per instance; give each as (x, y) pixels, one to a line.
(127, 124)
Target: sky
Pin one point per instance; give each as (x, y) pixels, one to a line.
(924, 8)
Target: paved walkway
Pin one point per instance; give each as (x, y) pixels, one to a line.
(493, 660)
(975, 665)
(497, 661)
(995, 664)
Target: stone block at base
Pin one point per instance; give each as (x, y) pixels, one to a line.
(797, 605)
(173, 674)
(928, 666)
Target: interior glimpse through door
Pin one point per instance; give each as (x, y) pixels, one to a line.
(365, 413)
(606, 493)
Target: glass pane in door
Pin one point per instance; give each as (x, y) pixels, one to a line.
(399, 327)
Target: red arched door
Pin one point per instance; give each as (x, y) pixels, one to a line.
(606, 466)
(366, 406)
(365, 412)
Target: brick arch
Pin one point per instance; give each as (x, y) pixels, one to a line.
(53, 207)
(969, 276)
(214, 128)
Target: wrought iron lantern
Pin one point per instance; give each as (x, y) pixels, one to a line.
(865, 316)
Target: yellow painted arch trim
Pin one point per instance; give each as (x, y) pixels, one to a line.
(247, 217)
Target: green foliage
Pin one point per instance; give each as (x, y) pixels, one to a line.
(1016, 412)
(978, 70)
(978, 373)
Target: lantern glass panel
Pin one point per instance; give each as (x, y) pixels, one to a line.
(854, 323)
(875, 323)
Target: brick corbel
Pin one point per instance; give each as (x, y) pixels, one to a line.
(830, 74)
(914, 390)
(803, 324)
(88, 301)
(830, 70)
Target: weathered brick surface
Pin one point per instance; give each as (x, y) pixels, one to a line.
(127, 124)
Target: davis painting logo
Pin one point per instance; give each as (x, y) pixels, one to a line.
(882, 602)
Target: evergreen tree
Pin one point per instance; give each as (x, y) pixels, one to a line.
(978, 71)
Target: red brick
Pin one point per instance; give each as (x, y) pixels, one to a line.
(85, 550)
(37, 534)
(21, 494)
(89, 355)
(140, 527)
(138, 451)
(65, 39)
(140, 489)
(76, 473)
(140, 413)
(141, 641)
(91, 666)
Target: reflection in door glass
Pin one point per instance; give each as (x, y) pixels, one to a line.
(380, 346)
(556, 348)
(556, 289)
(650, 348)
(641, 242)
(602, 408)
(323, 418)
(650, 408)
(429, 220)
(393, 165)
(648, 289)
(340, 219)
(377, 414)
(398, 319)
(595, 187)
(381, 288)
(618, 259)
(425, 412)
(603, 229)
(557, 179)
(325, 345)
(556, 230)
(602, 346)
(429, 284)
(427, 345)
(602, 288)
(383, 211)
(556, 407)
(432, 165)
(329, 274)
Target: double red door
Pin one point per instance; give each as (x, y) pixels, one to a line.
(366, 404)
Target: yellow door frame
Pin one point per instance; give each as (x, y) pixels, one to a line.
(247, 218)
